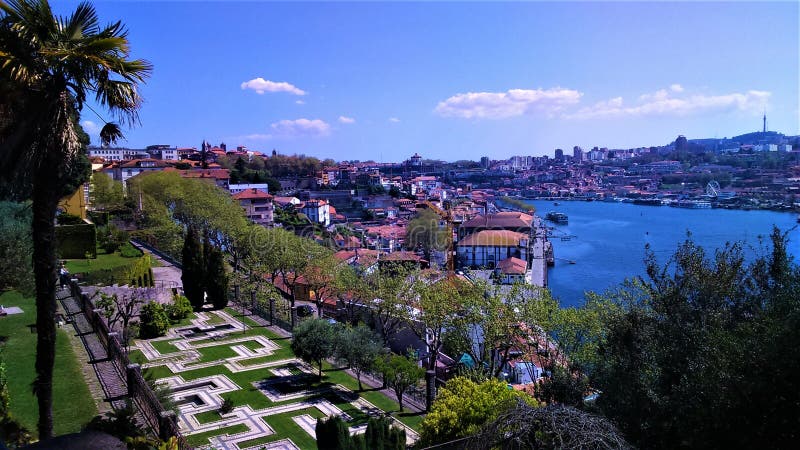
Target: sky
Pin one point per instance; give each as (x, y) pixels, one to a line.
(451, 81)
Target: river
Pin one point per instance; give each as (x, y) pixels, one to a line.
(608, 239)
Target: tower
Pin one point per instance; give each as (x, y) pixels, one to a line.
(765, 123)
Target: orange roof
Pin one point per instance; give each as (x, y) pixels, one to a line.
(219, 174)
(492, 238)
(513, 266)
(252, 194)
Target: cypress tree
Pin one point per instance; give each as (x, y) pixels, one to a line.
(193, 269)
(216, 280)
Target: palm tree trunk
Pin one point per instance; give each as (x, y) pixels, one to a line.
(44, 269)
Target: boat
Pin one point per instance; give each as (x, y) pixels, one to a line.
(556, 203)
(648, 201)
(692, 204)
(557, 217)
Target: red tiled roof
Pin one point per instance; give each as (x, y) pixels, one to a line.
(252, 194)
(498, 238)
(513, 266)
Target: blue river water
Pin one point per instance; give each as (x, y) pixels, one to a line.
(608, 239)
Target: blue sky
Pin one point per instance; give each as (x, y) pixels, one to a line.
(458, 80)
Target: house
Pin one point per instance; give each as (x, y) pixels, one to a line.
(511, 221)
(220, 177)
(123, 171)
(317, 211)
(236, 188)
(486, 248)
(257, 205)
(512, 270)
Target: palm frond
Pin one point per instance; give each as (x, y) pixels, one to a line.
(111, 134)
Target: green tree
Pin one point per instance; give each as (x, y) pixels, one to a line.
(423, 232)
(313, 341)
(462, 407)
(48, 66)
(179, 309)
(193, 271)
(106, 193)
(332, 433)
(381, 435)
(15, 247)
(154, 320)
(704, 354)
(399, 373)
(216, 278)
(358, 347)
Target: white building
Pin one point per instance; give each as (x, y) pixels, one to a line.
(257, 205)
(317, 211)
(116, 154)
(236, 188)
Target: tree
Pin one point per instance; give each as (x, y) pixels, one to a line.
(121, 309)
(462, 407)
(179, 309)
(332, 433)
(528, 427)
(313, 341)
(192, 275)
(154, 320)
(15, 247)
(381, 435)
(48, 66)
(106, 193)
(424, 232)
(399, 373)
(358, 347)
(705, 352)
(216, 279)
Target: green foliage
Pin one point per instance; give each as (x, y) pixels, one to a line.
(706, 353)
(76, 241)
(129, 251)
(16, 246)
(333, 434)
(399, 373)
(358, 347)
(179, 309)
(69, 219)
(106, 193)
(381, 435)
(313, 341)
(121, 423)
(154, 321)
(193, 274)
(226, 406)
(463, 406)
(424, 232)
(110, 238)
(216, 278)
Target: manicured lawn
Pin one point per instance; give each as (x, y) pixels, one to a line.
(199, 439)
(208, 417)
(73, 405)
(103, 261)
(165, 347)
(285, 427)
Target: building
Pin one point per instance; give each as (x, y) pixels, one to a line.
(163, 152)
(123, 171)
(487, 248)
(236, 188)
(116, 153)
(257, 205)
(559, 155)
(317, 211)
(577, 154)
(511, 221)
(220, 177)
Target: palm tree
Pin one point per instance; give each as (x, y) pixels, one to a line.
(48, 66)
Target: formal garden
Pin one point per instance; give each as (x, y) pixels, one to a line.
(237, 384)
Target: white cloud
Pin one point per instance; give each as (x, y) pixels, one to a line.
(300, 102)
(261, 86)
(394, 120)
(301, 128)
(664, 103)
(91, 128)
(500, 105)
(255, 137)
(345, 119)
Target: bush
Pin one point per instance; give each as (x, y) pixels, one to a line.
(112, 238)
(154, 321)
(75, 241)
(179, 309)
(226, 407)
(69, 219)
(127, 250)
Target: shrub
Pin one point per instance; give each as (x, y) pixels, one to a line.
(154, 321)
(112, 238)
(127, 250)
(68, 219)
(226, 407)
(75, 241)
(179, 309)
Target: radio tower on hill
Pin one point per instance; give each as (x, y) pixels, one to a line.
(765, 122)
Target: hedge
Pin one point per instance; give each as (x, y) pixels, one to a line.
(75, 241)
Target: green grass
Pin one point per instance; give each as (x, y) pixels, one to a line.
(257, 360)
(103, 261)
(213, 318)
(196, 440)
(165, 347)
(285, 427)
(73, 405)
(208, 416)
(185, 322)
(137, 357)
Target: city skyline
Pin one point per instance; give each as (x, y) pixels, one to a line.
(457, 81)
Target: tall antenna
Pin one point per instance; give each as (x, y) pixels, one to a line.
(765, 121)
